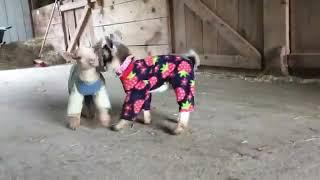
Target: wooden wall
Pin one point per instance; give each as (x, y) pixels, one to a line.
(250, 33)
(197, 26)
(143, 25)
(16, 13)
(305, 26)
(245, 16)
(304, 37)
(40, 21)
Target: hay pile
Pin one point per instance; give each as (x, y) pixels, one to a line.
(21, 54)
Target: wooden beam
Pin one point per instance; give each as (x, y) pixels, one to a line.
(304, 61)
(144, 51)
(229, 61)
(131, 11)
(55, 5)
(64, 30)
(226, 31)
(149, 32)
(75, 5)
(79, 28)
(169, 8)
(276, 20)
(179, 26)
(33, 4)
(100, 3)
(284, 66)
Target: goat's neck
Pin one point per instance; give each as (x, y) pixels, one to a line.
(89, 75)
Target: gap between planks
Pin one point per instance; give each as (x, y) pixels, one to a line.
(127, 22)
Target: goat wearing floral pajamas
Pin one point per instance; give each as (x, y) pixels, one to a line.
(139, 77)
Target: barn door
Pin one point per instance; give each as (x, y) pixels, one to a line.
(227, 33)
(77, 22)
(305, 28)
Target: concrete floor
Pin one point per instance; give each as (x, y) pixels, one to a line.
(241, 130)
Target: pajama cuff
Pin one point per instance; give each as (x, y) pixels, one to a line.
(190, 110)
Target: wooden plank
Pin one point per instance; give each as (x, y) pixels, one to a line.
(54, 31)
(70, 23)
(43, 21)
(240, 43)
(4, 20)
(73, 5)
(40, 18)
(67, 6)
(305, 26)
(64, 30)
(194, 31)
(78, 13)
(144, 51)
(304, 60)
(276, 31)
(149, 32)
(87, 37)
(210, 34)
(229, 61)
(56, 42)
(132, 11)
(286, 7)
(79, 29)
(34, 4)
(228, 11)
(45, 11)
(81, 3)
(284, 65)
(179, 28)
(170, 24)
(250, 24)
(107, 3)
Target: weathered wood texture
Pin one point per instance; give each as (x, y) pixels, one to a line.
(304, 38)
(276, 31)
(71, 19)
(143, 25)
(16, 13)
(87, 37)
(305, 26)
(82, 23)
(40, 21)
(220, 29)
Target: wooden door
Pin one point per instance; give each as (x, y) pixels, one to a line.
(305, 34)
(227, 33)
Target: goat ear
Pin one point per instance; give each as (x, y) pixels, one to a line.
(107, 42)
(116, 36)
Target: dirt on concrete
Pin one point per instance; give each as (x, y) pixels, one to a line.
(22, 54)
(241, 130)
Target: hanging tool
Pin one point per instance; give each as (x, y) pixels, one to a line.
(40, 61)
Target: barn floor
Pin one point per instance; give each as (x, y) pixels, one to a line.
(241, 130)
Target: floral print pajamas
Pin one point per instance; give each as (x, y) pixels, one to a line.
(142, 76)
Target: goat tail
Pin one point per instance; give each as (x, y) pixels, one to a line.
(194, 57)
